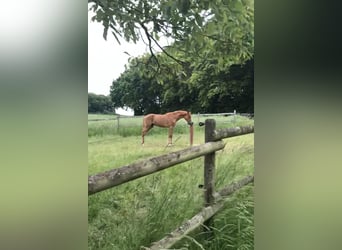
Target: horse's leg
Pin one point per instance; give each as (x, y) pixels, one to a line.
(145, 129)
(170, 136)
(143, 133)
(142, 137)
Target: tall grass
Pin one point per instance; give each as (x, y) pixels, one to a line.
(140, 212)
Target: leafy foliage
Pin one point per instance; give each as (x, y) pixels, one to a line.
(211, 32)
(99, 104)
(137, 91)
(203, 92)
(167, 17)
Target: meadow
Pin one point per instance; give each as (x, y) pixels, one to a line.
(140, 212)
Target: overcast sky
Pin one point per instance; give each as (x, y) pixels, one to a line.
(106, 59)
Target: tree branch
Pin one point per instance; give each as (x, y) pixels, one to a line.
(150, 47)
(166, 53)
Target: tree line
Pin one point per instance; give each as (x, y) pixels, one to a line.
(228, 90)
(100, 104)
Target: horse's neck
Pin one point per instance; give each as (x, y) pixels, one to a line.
(179, 116)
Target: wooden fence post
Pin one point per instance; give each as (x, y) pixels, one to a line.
(209, 164)
(209, 172)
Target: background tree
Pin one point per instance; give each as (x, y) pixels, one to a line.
(214, 92)
(136, 91)
(99, 104)
(227, 90)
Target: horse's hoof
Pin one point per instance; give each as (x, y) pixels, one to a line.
(169, 145)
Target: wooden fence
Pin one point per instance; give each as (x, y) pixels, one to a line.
(213, 201)
(194, 117)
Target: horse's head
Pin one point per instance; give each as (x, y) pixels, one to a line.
(187, 117)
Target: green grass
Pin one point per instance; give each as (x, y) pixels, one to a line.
(140, 212)
(131, 126)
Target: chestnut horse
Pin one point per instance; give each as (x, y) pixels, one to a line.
(167, 120)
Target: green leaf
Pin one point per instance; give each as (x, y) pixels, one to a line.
(105, 31)
(199, 19)
(183, 6)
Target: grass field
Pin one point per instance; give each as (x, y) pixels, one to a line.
(137, 213)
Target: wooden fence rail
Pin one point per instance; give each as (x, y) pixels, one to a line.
(115, 177)
(213, 201)
(197, 220)
(102, 119)
(231, 132)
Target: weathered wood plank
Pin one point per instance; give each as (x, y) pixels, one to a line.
(209, 164)
(231, 132)
(115, 177)
(209, 172)
(104, 119)
(233, 187)
(190, 225)
(205, 214)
